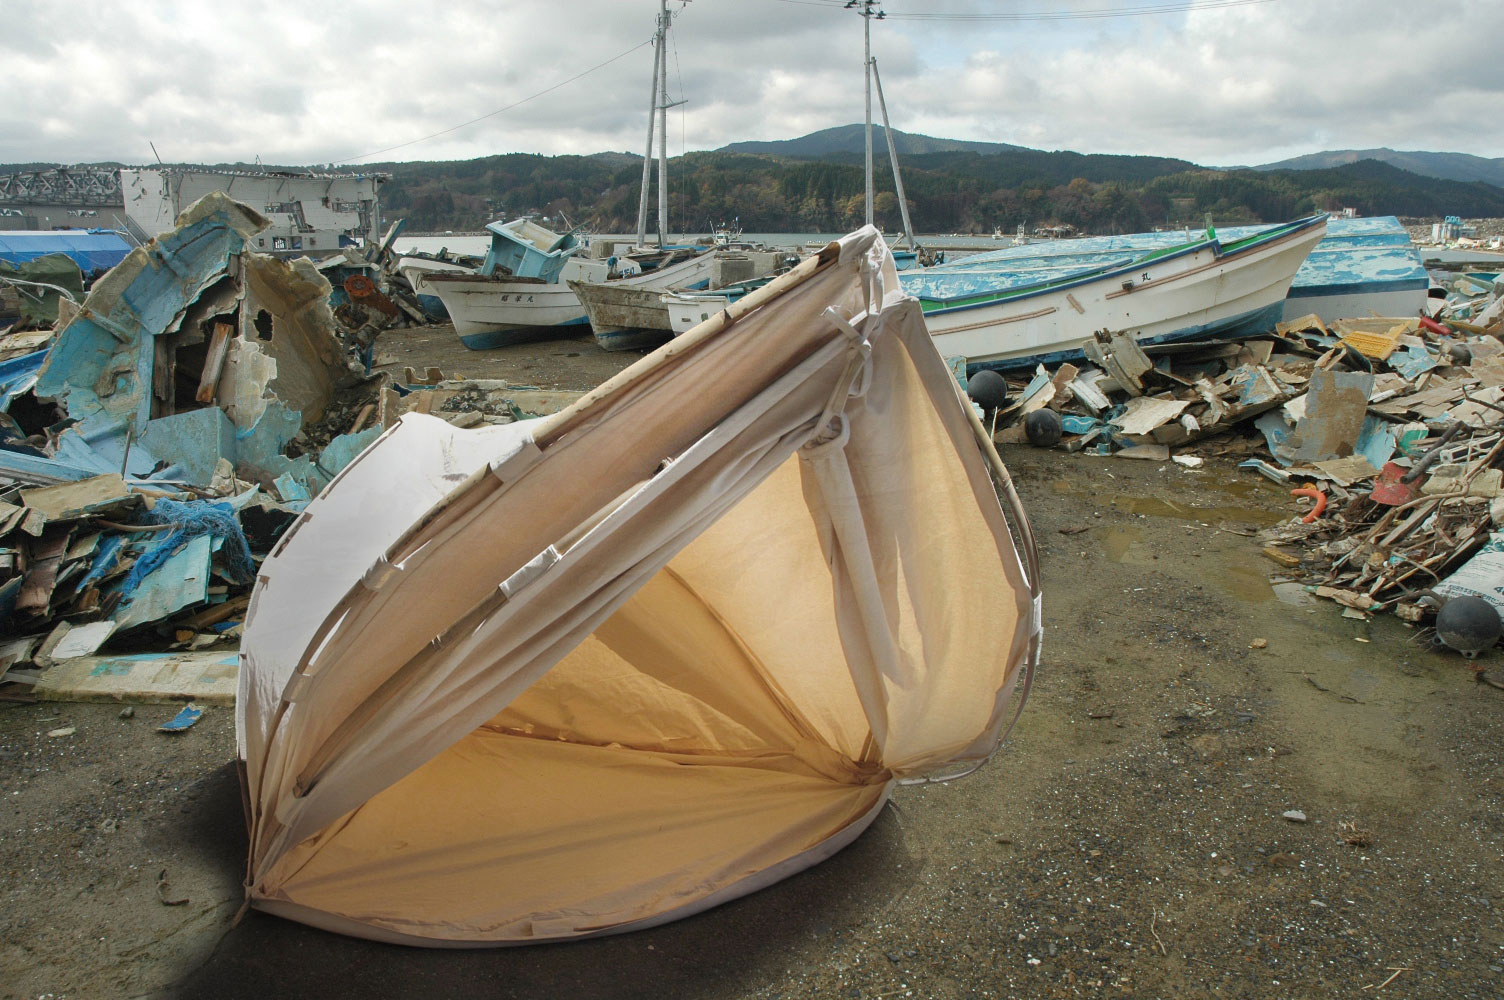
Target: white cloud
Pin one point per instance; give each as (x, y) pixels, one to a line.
(307, 82)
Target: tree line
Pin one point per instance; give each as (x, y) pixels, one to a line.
(946, 192)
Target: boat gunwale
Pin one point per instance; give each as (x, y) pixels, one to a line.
(933, 306)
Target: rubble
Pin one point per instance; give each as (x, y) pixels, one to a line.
(1391, 428)
(162, 433)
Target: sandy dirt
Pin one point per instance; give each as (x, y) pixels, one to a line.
(1126, 842)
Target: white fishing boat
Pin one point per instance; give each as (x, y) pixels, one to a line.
(519, 291)
(497, 309)
(687, 310)
(629, 313)
(415, 269)
(1001, 319)
(1363, 267)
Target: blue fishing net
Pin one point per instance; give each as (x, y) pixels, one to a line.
(191, 518)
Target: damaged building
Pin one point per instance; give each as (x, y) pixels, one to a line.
(306, 211)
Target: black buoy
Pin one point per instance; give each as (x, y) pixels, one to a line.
(1468, 624)
(988, 389)
(1043, 428)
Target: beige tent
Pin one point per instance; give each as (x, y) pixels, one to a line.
(602, 670)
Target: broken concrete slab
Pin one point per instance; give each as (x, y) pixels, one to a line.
(207, 677)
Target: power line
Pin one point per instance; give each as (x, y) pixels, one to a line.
(1140, 10)
(1182, 6)
(493, 114)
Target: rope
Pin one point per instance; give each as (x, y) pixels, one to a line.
(190, 519)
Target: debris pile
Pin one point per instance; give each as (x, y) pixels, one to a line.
(1392, 429)
(160, 436)
(1454, 234)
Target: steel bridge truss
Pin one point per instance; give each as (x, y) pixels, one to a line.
(63, 186)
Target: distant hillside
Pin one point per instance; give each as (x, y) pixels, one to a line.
(1446, 166)
(617, 160)
(851, 139)
(951, 187)
(948, 192)
(1018, 166)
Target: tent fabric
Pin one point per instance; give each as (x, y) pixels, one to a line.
(90, 249)
(583, 674)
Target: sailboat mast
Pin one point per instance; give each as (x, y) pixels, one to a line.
(903, 205)
(867, 88)
(647, 157)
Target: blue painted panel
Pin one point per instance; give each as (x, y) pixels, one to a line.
(180, 581)
(18, 375)
(101, 364)
(197, 440)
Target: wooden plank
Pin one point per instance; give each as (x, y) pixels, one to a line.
(217, 613)
(163, 375)
(389, 408)
(86, 497)
(214, 362)
(1120, 356)
(1144, 413)
(362, 417)
(1062, 380)
(41, 577)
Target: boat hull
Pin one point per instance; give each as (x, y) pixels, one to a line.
(685, 312)
(1362, 267)
(624, 317)
(1332, 304)
(496, 312)
(628, 313)
(416, 271)
(491, 312)
(1194, 293)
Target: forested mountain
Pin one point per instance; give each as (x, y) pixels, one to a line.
(1447, 166)
(852, 139)
(947, 192)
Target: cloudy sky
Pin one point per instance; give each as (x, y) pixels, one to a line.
(1224, 82)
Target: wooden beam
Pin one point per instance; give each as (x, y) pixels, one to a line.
(214, 362)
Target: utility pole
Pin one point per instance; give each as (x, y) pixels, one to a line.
(866, 9)
(658, 106)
